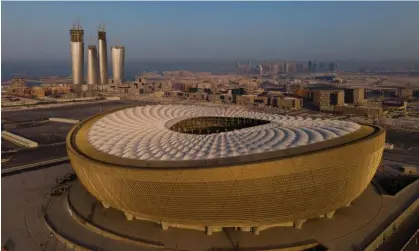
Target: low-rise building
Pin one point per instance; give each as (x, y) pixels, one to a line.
(354, 96)
(153, 84)
(409, 170)
(394, 105)
(286, 102)
(367, 111)
(214, 98)
(260, 100)
(405, 92)
(327, 99)
(245, 99)
(302, 93)
(37, 92)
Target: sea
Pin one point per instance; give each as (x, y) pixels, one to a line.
(35, 70)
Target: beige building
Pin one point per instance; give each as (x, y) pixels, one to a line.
(405, 92)
(325, 99)
(367, 111)
(285, 102)
(354, 96)
(151, 85)
(291, 103)
(245, 99)
(37, 92)
(214, 97)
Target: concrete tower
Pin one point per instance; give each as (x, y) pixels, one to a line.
(77, 54)
(103, 55)
(118, 57)
(92, 66)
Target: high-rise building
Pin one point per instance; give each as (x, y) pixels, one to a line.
(118, 58)
(299, 68)
(275, 69)
(331, 66)
(260, 69)
(77, 54)
(310, 66)
(286, 69)
(92, 66)
(249, 67)
(103, 56)
(314, 69)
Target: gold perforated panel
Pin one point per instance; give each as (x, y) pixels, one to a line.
(258, 193)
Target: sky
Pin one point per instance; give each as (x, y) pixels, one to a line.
(32, 31)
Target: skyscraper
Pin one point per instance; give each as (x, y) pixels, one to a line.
(331, 67)
(92, 66)
(260, 69)
(118, 64)
(77, 54)
(310, 66)
(314, 69)
(103, 56)
(286, 69)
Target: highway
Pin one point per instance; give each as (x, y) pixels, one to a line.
(413, 243)
(402, 237)
(31, 166)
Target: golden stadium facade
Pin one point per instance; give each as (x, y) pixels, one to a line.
(206, 168)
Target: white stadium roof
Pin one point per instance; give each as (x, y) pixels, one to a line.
(143, 133)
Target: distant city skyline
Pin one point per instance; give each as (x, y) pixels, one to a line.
(216, 31)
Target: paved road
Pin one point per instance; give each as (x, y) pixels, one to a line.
(403, 234)
(402, 139)
(34, 165)
(413, 244)
(35, 155)
(74, 111)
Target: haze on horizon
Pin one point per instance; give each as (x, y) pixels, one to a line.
(216, 30)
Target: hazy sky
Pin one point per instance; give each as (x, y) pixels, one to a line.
(216, 30)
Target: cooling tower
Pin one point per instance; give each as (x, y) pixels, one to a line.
(118, 57)
(92, 66)
(103, 57)
(77, 55)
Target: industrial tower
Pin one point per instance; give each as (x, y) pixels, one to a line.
(103, 55)
(77, 54)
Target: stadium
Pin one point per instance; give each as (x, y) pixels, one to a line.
(209, 168)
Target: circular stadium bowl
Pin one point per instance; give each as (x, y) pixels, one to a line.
(210, 167)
